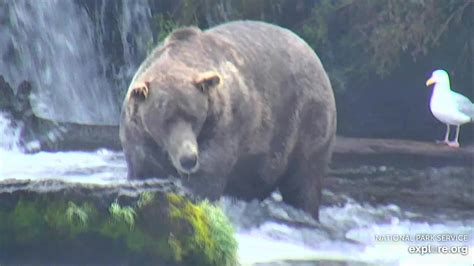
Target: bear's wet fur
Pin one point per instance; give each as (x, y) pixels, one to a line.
(243, 109)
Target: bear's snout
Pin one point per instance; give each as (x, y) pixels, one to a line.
(187, 158)
(188, 162)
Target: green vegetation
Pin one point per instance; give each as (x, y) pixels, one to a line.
(363, 40)
(145, 198)
(160, 227)
(212, 233)
(78, 215)
(27, 222)
(224, 250)
(70, 218)
(125, 214)
(163, 25)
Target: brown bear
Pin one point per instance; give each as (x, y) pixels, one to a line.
(243, 108)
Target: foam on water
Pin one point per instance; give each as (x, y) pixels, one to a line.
(101, 166)
(359, 243)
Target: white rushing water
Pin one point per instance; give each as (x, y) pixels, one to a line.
(270, 232)
(9, 134)
(64, 52)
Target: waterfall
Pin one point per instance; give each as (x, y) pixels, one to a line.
(9, 134)
(70, 53)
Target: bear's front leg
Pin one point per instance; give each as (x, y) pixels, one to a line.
(302, 186)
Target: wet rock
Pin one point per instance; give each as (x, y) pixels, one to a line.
(393, 152)
(52, 222)
(16, 104)
(56, 136)
(43, 134)
(429, 192)
(7, 96)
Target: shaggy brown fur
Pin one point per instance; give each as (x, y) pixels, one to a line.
(243, 108)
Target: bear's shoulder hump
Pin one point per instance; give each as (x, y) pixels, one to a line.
(183, 34)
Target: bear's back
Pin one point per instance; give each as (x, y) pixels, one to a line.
(274, 55)
(260, 40)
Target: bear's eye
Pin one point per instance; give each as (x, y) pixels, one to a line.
(186, 117)
(181, 116)
(189, 118)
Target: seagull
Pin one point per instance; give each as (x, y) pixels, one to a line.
(449, 107)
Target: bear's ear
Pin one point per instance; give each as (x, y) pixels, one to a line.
(207, 80)
(140, 90)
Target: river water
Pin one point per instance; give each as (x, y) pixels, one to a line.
(350, 232)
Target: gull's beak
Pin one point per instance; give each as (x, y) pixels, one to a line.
(429, 82)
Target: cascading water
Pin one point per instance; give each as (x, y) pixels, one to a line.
(9, 134)
(59, 47)
(124, 34)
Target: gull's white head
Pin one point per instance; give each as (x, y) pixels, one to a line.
(438, 76)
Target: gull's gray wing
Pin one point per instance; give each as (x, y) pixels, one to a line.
(464, 104)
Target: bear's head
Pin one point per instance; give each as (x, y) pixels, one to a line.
(173, 109)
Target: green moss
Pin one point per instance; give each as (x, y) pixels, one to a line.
(188, 233)
(211, 241)
(27, 221)
(175, 246)
(69, 218)
(222, 233)
(138, 241)
(55, 215)
(114, 228)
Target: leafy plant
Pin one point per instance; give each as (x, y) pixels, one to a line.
(124, 214)
(75, 213)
